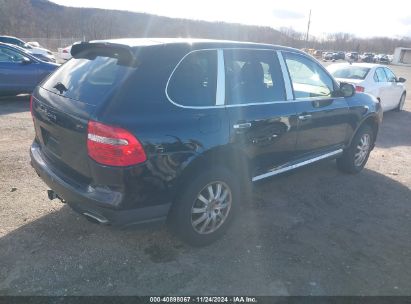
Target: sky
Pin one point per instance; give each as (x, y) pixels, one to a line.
(359, 17)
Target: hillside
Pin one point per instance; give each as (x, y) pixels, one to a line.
(42, 18)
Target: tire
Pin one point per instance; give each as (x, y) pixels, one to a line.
(354, 158)
(401, 103)
(197, 228)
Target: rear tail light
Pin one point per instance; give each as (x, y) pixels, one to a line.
(359, 89)
(113, 146)
(65, 51)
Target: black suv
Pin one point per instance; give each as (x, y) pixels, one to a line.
(368, 57)
(338, 56)
(131, 131)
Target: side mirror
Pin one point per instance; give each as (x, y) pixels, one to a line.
(347, 90)
(25, 60)
(402, 80)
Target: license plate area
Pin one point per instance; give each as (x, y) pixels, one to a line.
(50, 142)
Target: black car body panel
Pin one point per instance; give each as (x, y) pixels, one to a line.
(364, 107)
(178, 139)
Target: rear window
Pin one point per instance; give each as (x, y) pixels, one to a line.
(351, 72)
(90, 79)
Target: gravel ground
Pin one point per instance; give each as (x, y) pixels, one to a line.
(315, 231)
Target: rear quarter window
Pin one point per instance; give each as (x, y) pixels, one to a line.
(194, 81)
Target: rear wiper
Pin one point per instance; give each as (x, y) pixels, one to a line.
(60, 87)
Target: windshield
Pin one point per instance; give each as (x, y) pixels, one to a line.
(351, 72)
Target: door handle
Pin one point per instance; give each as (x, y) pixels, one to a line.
(304, 117)
(244, 125)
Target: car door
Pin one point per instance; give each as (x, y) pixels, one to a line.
(322, 117)
(383, 88)
(263, 123)
(16, 75)
(394, 88)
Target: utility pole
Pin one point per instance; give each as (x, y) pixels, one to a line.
(308, 30)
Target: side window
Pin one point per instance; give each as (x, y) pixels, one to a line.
(390, 75)
(14, 41)
(307, 77)
(382, 77)
(376, 77)
(7, 55)
(252, 76)
(194, 82)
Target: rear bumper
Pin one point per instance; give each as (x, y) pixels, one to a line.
(121, 218)
(91, 201)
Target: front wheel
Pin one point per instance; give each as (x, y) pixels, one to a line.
(355, 157)
(401, 103)
(205, 208)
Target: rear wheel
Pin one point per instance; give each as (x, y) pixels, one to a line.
(204, 210)
(355, 157)
(401, 103)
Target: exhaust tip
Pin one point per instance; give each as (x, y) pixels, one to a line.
(96, 218)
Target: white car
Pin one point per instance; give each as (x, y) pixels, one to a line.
(65, 53)
(41, 53)
(34, 44)
(375, 79)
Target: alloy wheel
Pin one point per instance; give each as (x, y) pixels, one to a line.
(211, 207)
(363, 148)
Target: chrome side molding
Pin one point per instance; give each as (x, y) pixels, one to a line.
(297, 165)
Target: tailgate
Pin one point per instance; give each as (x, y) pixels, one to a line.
(64, 103)
(61, 130)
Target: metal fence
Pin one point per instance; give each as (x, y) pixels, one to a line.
(54, 43)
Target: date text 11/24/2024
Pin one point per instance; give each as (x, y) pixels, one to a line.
(204, 299)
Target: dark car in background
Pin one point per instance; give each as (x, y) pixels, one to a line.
(351, 56)
(327, 56)
(137, 130)
(338, 56)
(20, 71)
(368, 57)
